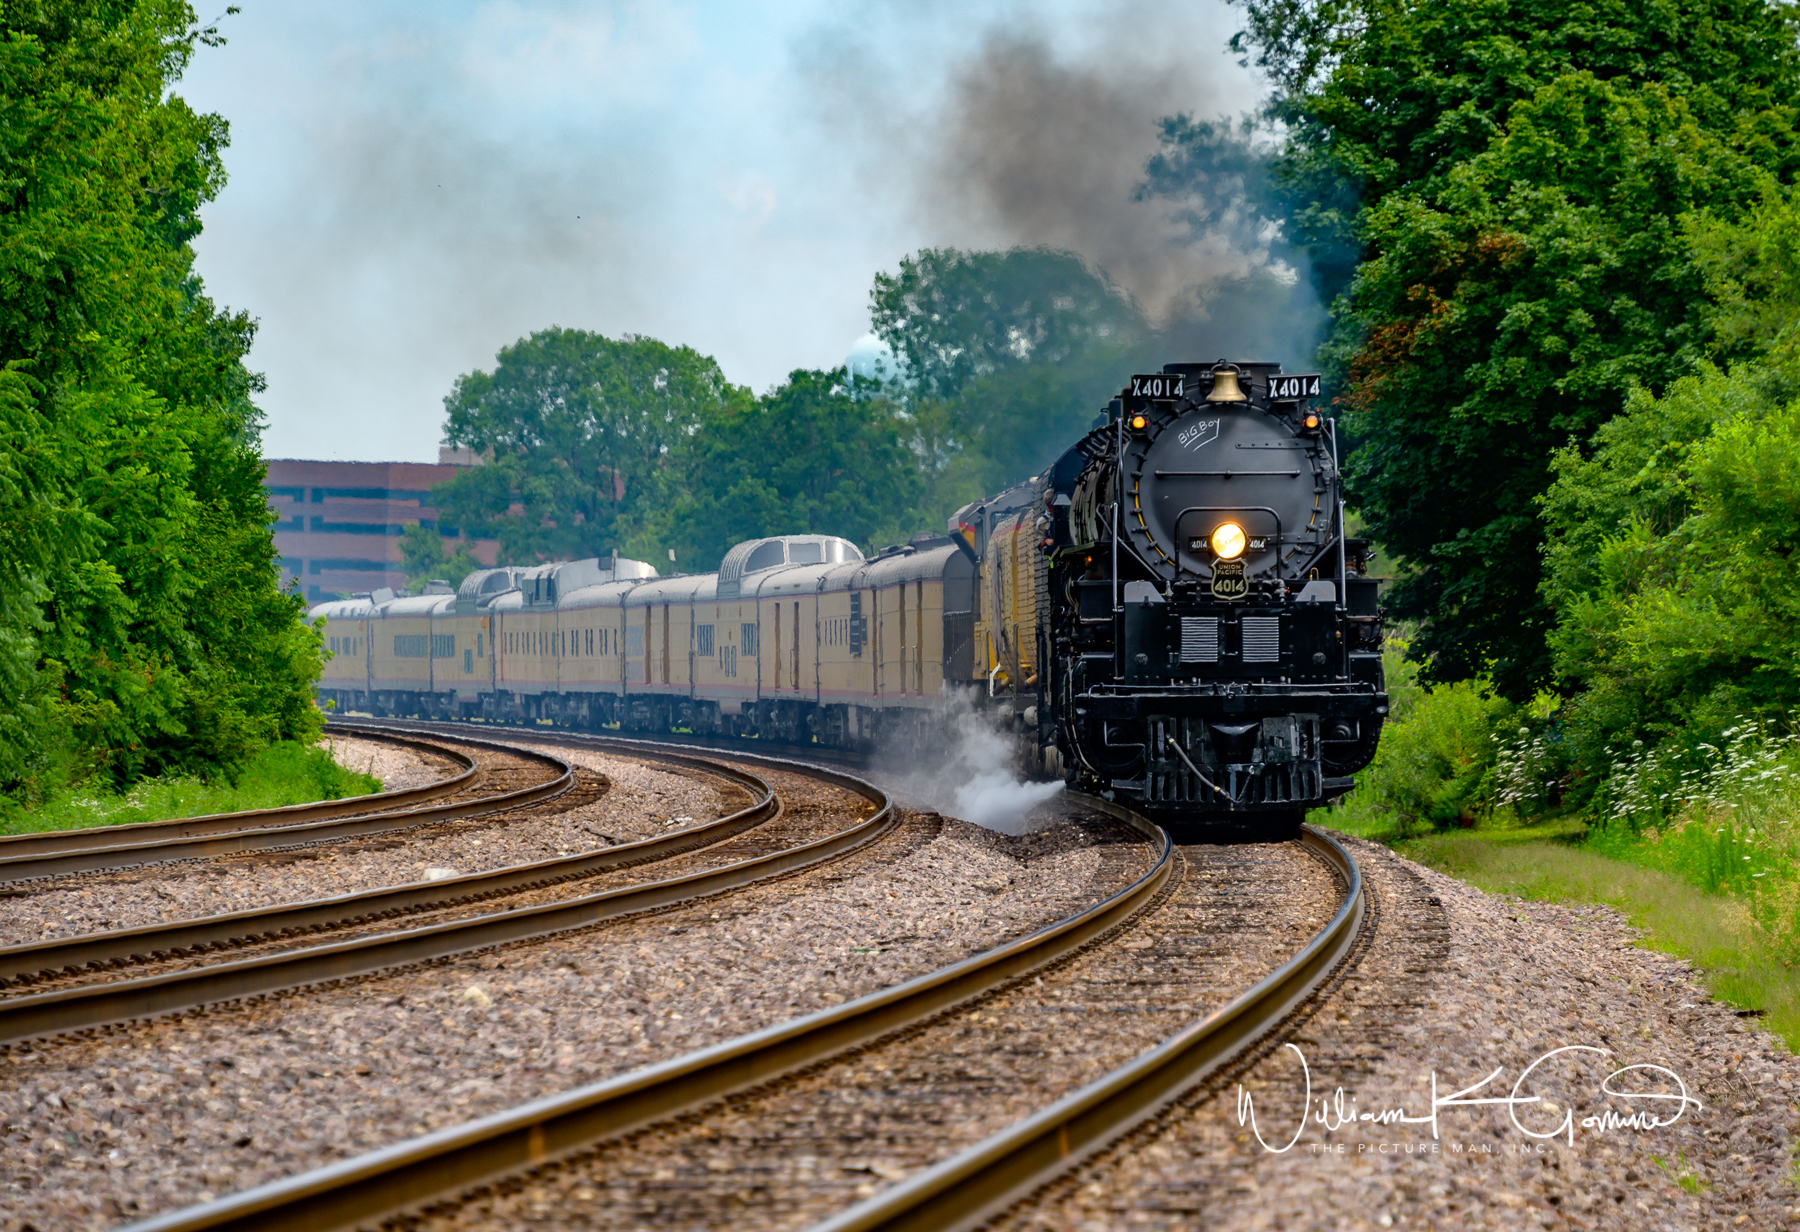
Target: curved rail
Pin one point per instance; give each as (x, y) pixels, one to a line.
(117, 948)
(47, 842)
(978, 1183)
(221, 834)
(80, 1008)
(383, 1182)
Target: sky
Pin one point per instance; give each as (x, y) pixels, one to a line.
(414, 186)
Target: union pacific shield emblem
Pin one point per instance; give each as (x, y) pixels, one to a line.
(1228, 580)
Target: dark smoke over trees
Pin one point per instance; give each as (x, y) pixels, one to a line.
(1005, 358)
(1230, 183)
(954, 317)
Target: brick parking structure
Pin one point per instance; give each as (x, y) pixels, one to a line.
(339, 523)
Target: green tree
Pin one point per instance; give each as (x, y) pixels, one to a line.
(954, 317)
(426, 556)
(1007, 425)
(1668, 544)
(1511, 181)
(805, 458)
(143, 625)
(1504, 315)
(1751, 265)
(588, 438)
(1671, 565)
(1008, 356)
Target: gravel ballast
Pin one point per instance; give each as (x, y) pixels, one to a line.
(396, 765)
(1458, 983)
(172, 1112)
(642, 800)
(816, 1144)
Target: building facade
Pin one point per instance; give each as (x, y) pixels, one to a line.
(339, 523)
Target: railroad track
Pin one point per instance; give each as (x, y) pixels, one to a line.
(463, 1176)
(57, 853)
(91, 997)
(69, 959)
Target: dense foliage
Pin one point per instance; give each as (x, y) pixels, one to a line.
(591, 443)
(587, 439)
(141, 625)
(955, 317)
(1008, 357)
(805, 458)
(1669, 542)
(1500, 192)
(1671, 548)
(428, 557)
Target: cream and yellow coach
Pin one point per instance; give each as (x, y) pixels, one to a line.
(797, 637)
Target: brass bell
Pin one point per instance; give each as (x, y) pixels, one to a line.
(1225, 386)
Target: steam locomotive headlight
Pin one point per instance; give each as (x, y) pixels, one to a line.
(1229, 541)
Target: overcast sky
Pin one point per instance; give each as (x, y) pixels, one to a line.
(413, 186)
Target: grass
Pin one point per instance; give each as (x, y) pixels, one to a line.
(1701, 852)
(1741, 962)
(1683, 1173)
(282, 774)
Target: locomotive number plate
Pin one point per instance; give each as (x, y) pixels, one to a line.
(1293, 388)
(1158, 386)
(1228, 580)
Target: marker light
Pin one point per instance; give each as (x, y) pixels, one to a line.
(1139, 423)
(1310, 422)
(1229, 541)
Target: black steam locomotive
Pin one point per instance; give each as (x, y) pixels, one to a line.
(1210, 640)
(1170, 615)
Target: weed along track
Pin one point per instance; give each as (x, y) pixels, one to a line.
(793, 1052)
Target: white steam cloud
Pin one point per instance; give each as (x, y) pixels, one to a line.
(974, 777)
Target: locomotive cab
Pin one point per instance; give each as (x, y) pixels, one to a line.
(1216, 639)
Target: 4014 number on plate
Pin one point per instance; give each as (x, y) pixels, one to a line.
(1294, 388)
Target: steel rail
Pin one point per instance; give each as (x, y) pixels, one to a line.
(218, 837)
(407, 1174)
(747, 748)
(51, 841)
(980, 1182)
(117, 948)
(85, 1007)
